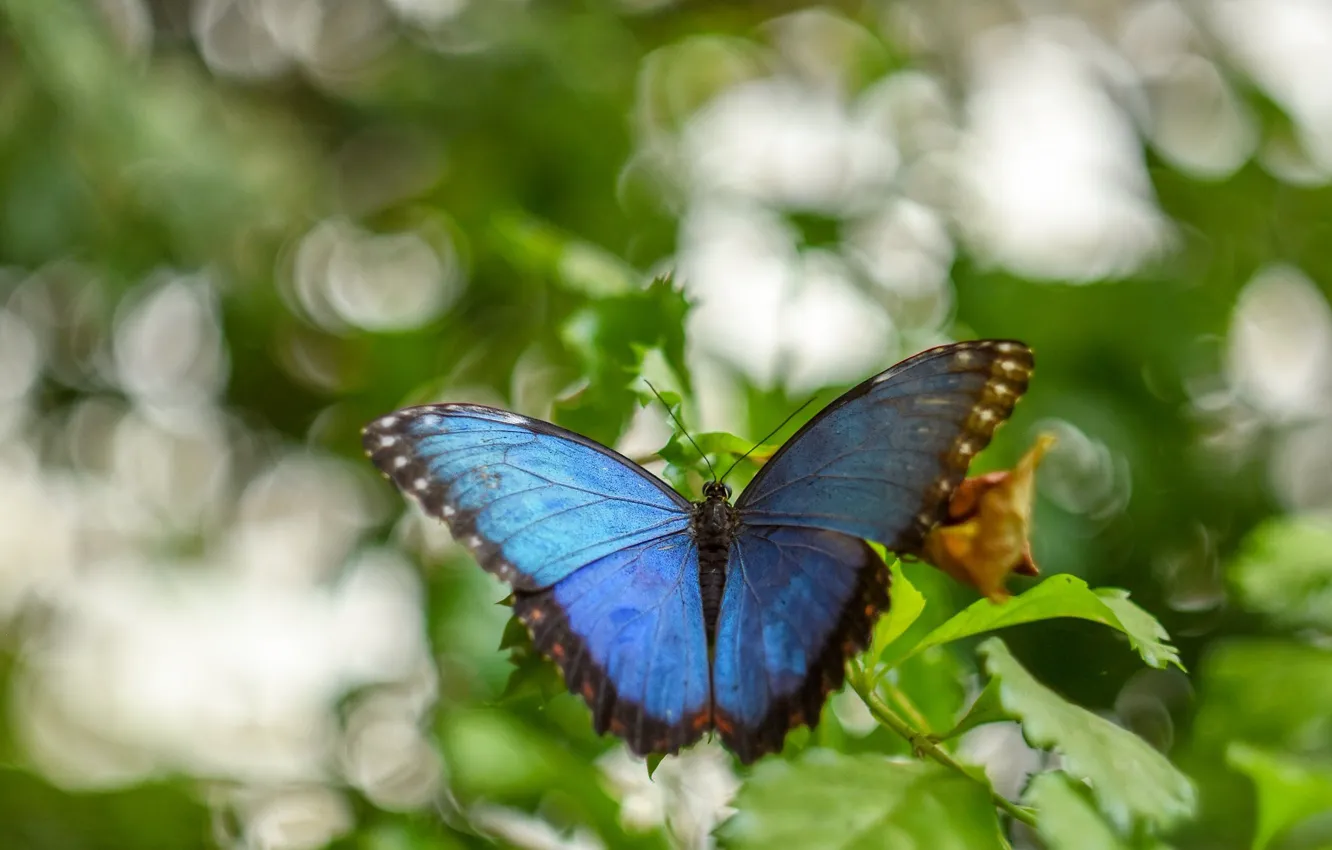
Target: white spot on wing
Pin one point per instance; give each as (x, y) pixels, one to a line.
(1011, 368)
(399, 462)
(420, 485)
(386, 440)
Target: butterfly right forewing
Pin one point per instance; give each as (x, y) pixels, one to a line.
(881, 462)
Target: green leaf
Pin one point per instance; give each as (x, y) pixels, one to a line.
(494, 756)
(830, 733)
(397, 833)
(35, 815)
(515, 635)
(907, 605)
(533, 677)
(1289, 790)
(927, 690)
(986, 709)
(683, 458)
(1273, 695)
(728, 446)
(1069, 821)
(829, 801)
(1284, 570)
(1246, 692)
(610, 337)
(1062, 596)
(928, 584)
(1130, 780)
(542, 249)
(653, 762)
(1144, 632)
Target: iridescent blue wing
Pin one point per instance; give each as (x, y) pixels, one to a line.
(797, 602)
(627, 630)
(532, 501)
(597, 549)
(880, 462)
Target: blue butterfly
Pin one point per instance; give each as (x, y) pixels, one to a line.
(672, 618)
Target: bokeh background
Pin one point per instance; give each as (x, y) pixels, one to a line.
(233, 231)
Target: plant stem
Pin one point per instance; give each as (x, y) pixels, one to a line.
(903, 704)
(925, 747)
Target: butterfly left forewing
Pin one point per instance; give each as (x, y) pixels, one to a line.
(532, 501)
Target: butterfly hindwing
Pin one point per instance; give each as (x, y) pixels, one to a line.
(532, 501)
(627, 631)
(880, 462)
(797, 602)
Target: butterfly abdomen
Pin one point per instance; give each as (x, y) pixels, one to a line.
(711, 583)
(714, 525)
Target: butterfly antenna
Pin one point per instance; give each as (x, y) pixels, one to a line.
(682, 428)
(788, 418)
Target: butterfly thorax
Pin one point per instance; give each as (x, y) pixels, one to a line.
(714, 525)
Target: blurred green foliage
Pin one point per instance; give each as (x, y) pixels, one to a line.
(862, 802)
(120, 161)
